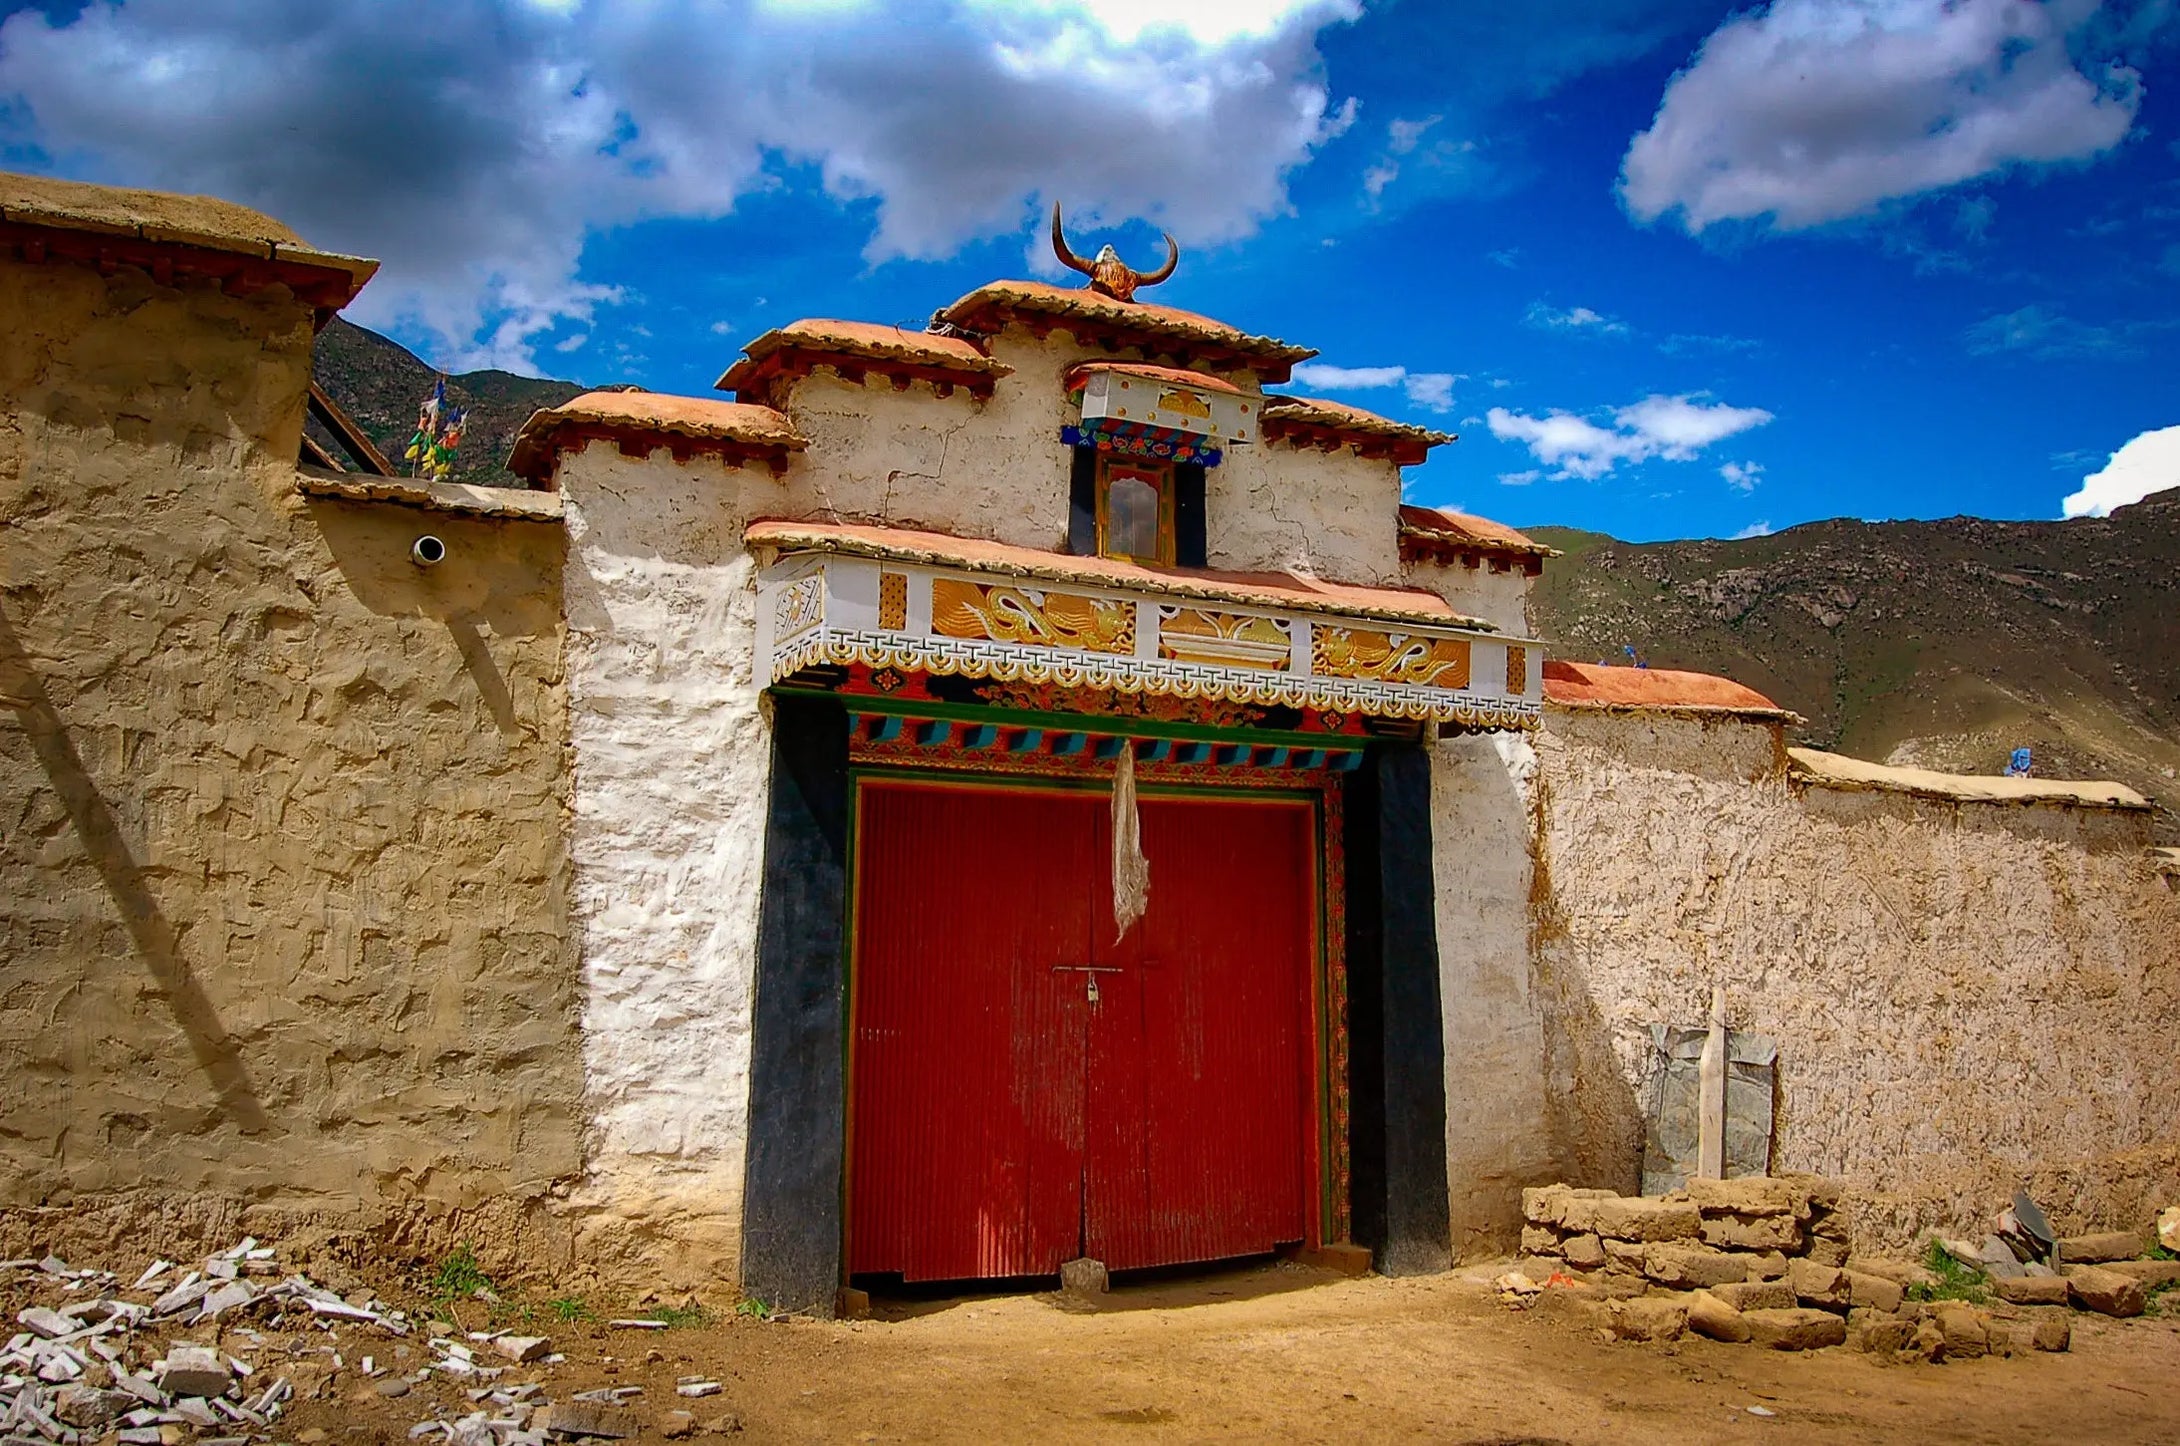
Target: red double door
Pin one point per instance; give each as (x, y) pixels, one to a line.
(1028, 1089)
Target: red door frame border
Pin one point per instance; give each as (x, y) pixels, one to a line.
(1328, 1214)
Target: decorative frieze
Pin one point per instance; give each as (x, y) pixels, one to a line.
(822, 608)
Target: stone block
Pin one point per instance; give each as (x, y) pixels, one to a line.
(1643, 1220)
(1687, 1267)
(2168, 1227)
(2106, 1292)
(2052, 1331)
(1780, 1232)
(1618, 1285)
(2152, 1273)
(522, 1349)
(194, 1371)
(1538, 1240)
(1757, 1295)
(1753, 1197)
(1770, 1265)
(1560, 1207)
(1823, 1286)
(1825, 1251)
(1795, 1330)
(1966, 1331)
(589, 1418)
(1710, 1316)
(1583, 1252)
(1899, 1272)
(1880, 1334)
(2032, 1290)
(1623, 1255)
(1874, 1291)
(1084, 1276)
(1649, 1318)
(88, 1408)
(2096, 1249)
(1928, 1342)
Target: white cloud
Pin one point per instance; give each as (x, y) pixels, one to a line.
(1519, 479)
(1742, 475)
(1809, 111)
(475, 153)
(1674, 428)
(2042, 332)
(1574, 318)
(1432, 391)
(2148, 463)
(1754, 529)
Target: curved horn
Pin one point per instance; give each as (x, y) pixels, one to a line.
(1060, 248)
(1173, 258)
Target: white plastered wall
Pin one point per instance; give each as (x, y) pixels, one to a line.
(1499, 598)
(671, 756)
(997, 470)
(1497, 1131)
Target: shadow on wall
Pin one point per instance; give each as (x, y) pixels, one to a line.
(1594, 1114)
(497, 577)
(23, 690)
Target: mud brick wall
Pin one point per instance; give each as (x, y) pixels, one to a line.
(283, 883)
(1967, 997)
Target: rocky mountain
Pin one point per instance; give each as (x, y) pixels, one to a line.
(379, 383)
(1940, 644)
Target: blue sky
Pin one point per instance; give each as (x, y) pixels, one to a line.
(1669, 269)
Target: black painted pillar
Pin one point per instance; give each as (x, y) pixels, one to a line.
(1396, 1032)
(798, 1110)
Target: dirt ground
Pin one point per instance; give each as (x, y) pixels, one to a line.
(1285, 1353)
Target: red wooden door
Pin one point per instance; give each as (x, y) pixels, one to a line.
(1003, 1120)
(966, 1124)
(1199, 1101)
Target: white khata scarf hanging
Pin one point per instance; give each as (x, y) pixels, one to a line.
(1131, 870)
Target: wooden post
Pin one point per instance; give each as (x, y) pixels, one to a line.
(1711, 1095)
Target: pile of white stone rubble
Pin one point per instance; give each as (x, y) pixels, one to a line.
(88, 1366)
(1771, 1261)
(76, 1371)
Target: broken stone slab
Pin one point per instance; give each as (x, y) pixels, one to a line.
(2052, 1331)
(1781, 1232)
(48, 1323)
(2168, 1227)
(1648, 1318)
(1712, 1317)
(522, 1349)
(1900, 1272)
(1752, 1197)
(1624, 1255)
(1874, 1292)
(193, 1371)
(1966, 1331)
(89, 1408)
(590, 1418)
(2106, 1292)
(225, 1298)
(2097, 1249)
(1687, 1267)
(1560, 1207)
(2032, 1290)
(697, 1389)
(1083, 1276)
(1880, 1334)
(1583, 1252)
(1824, 1250)
(1645, 1221)
(1799, 1329)
(1757, 1295)
(1824, 1286)
(2152, 1273)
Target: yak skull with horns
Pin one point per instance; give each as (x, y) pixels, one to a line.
(1109, 275)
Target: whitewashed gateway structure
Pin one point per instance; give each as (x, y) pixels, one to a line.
(981, 797)
(855, 660)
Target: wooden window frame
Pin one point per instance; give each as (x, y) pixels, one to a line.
(1158, 475)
